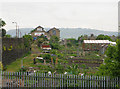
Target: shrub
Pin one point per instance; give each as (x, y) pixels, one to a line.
(47, 57)
(4, 48)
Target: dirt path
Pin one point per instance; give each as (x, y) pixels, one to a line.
(35, 49)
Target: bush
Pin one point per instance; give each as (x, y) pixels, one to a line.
(4, 48)
(47, 57)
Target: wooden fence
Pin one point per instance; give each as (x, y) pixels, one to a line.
(19, 79)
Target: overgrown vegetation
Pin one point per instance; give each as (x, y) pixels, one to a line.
(111, 66)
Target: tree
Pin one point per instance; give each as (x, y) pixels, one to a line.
(28, 39)
(2, 23)
(54, 42)
(69, 44)
(7, 36)
(54, 39)
(40, 41)
(81, 38)
(103, 37)
(54, 45)
(111, 66)
(3, 32)
(47, 57)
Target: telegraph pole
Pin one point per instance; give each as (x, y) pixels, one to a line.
(18, 31)
(16, 28)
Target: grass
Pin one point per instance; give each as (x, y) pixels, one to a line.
(16, 65)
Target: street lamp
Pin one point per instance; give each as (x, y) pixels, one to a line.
(16, 28)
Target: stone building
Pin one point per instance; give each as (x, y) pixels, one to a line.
(38, 31)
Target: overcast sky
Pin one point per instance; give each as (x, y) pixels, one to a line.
(101, 15)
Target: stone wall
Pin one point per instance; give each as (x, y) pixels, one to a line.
(12, 48)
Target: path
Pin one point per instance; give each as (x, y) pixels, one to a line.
(35, 49)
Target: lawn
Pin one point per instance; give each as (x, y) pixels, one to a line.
(16, 65)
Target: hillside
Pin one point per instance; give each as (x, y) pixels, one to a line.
(67, 32)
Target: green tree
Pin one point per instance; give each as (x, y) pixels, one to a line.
(40, 41)
(69, 44)
(7, 36)
(111, 66)
(3, 32)
(103, 37)
(54, 39)
(81, 38)
(28, 40)
(2, 23)
(47, 57)
(54, 42)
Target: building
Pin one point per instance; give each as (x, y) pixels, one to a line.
(97, 45)
(46, 48)
(38, 31)
(54, 31)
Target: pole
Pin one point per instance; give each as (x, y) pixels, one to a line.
(18, 31)
(16, 28)
(20, 34)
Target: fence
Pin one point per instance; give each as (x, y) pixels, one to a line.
(19, 79)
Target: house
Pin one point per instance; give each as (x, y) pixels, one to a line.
(54, 31)
(38, 31)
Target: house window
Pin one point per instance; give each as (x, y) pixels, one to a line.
(39, 29)
(54, 32)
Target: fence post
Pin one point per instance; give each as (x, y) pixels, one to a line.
(51, 80)
(76, 80)
(42, 79)
(62, 81)
(81, 81)
(35, 79)
(12, 78)
(90, 81)
(104, 82)
(67, 80)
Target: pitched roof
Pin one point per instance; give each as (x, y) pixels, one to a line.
(39, 27)
(53, 29)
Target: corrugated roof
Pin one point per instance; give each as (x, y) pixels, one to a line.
(97, 41)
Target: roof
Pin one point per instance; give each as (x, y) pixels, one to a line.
(96, 41)
(45, 46)
(114, 43)
(39, 27)
(53, 29)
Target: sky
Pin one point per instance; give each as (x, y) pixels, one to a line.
(94, 14)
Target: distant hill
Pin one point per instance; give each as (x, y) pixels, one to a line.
(67, 32)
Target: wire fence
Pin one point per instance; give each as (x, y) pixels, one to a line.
(20, 79)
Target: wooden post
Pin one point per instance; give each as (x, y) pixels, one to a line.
(44, 62)
(51, 60)
(56, 61)
(83, 46)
